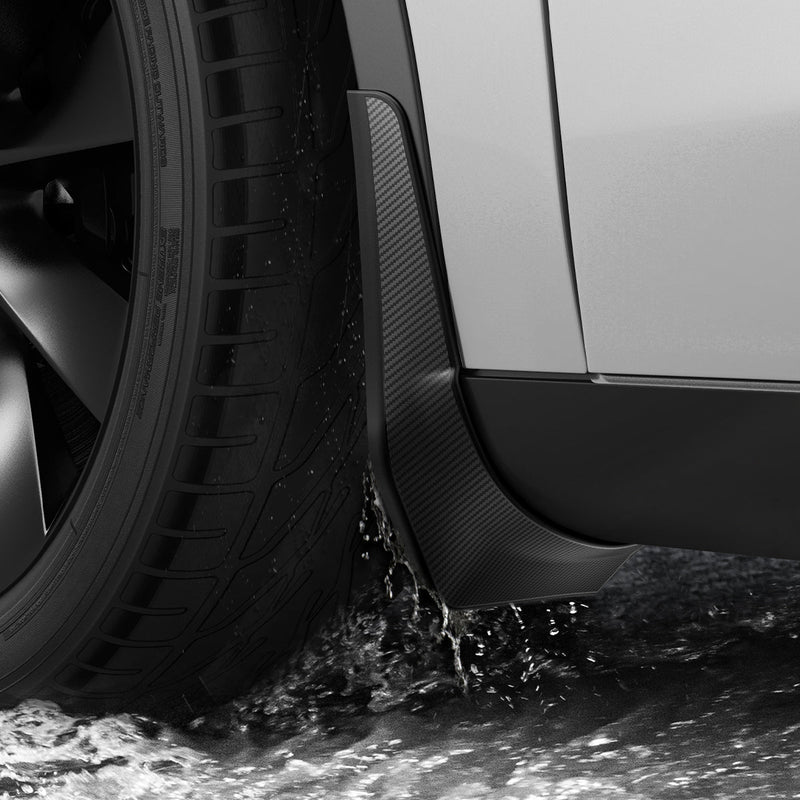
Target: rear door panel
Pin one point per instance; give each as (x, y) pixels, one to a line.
(681, 134)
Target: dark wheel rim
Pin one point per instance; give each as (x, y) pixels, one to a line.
(66, 251)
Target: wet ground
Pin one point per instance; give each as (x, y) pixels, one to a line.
(680, 680)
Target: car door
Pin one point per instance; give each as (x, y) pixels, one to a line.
(680, 124)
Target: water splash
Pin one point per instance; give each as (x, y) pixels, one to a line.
(473, 636)
(500, 650)
(454, 624)
(681, 679)
(372, 510)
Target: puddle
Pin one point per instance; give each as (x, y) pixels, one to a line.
(680, 680)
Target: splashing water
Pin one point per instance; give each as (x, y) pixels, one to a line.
(680, 680)
(454, 624)
(467, 632)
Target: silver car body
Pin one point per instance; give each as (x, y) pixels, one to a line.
(680, 122)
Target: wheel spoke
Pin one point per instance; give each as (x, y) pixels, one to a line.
(95, 112)
(75, 320)
(21, 510)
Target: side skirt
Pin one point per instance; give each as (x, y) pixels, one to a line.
(707, 465)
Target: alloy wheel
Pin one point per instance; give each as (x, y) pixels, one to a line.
(67, 234)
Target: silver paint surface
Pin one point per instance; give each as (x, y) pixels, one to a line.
(681, 133)
(485, 88)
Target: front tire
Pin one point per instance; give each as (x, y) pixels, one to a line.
(214, 527)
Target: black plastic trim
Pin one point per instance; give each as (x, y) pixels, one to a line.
(695, 467)
(479, 546)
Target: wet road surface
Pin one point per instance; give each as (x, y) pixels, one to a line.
(680, 680)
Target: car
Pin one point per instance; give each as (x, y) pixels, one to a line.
(536, 262)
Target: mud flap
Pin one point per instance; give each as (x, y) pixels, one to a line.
(478, 546)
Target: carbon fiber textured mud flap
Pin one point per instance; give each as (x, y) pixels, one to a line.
(477, 545)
